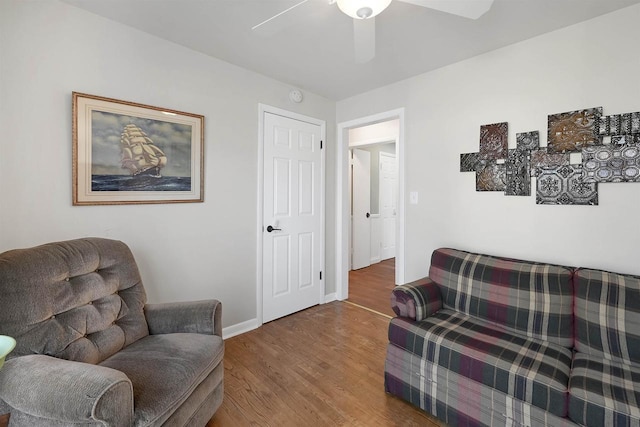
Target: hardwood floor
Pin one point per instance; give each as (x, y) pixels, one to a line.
(320, 367)
(371, 287)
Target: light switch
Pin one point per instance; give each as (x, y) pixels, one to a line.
(413, 197)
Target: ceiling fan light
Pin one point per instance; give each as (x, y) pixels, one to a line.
(363, 9)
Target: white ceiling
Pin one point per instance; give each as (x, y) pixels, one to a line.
(315, 52)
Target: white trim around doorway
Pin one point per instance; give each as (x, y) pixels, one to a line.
(342, 199)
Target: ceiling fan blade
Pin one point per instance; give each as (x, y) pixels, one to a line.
(364, 39)
(472, 9)
(281, 20)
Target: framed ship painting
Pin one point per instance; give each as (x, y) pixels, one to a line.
(127, 153)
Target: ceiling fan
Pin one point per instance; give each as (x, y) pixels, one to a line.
(364, 12)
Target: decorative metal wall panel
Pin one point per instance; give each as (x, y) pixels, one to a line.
(625, 124)
(602, 127)
(614, 125)
(517, 175)
(528, 140)
(541, 158)
(469, 162)
(610, 163)
(491, 177)
(635, 122)
(571, 131)
(625, 139)
(493, 141)
(564, 185)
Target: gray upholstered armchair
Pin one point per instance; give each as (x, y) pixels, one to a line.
(90, 351)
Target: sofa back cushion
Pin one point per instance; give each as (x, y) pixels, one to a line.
(607, 315)
(79, 300)
(532, 298)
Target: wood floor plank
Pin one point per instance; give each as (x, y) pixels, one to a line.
(320, 367)
(371, 286)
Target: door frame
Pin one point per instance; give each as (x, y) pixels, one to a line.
(342, 198)
(262, 109)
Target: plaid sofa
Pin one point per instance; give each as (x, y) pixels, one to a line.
(494, 341)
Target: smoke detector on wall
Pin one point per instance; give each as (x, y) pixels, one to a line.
(295, 96)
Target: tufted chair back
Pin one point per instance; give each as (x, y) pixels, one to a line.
(80, 300)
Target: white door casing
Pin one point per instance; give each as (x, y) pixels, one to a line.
(388, 203)
(292, 252)
(361, 196)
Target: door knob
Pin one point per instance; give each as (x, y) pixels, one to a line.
(368, 215)
(270, 229)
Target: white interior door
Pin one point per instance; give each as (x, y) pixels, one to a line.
(292, 217)
(361, 196)
(388, 203)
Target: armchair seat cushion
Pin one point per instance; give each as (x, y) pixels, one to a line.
(604, 392)
(184, 359)
(529, 369)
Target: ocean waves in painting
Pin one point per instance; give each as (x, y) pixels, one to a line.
(139, 183)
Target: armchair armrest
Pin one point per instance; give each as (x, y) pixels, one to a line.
(67, 391)
(416, 300)
(200, 317)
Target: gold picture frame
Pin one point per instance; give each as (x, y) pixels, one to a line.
(129, 153)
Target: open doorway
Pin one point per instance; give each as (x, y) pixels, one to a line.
(373, 175)
(373, 134)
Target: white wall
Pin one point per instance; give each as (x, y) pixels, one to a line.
(588, 65)
(185, 251)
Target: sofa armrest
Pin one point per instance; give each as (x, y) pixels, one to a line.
(66, 391)
(416, 300)
(199, 317)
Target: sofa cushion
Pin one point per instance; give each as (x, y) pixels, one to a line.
(603, 392)
(531, 370)
(608, 315)
(527, 297)
(184, 361)
(79, 300)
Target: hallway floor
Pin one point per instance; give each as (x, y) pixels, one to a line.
(371, 287)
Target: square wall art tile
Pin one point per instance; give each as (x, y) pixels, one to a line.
(611, 163)
(491, 177)
(493, 141)
(568, 132)
(564, 185)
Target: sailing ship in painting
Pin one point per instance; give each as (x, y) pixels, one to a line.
(144, 161)
(139, 155)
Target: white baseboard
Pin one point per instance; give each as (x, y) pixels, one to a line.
(250, 325)
(240, 328)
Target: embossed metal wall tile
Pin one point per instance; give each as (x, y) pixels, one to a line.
(625, 124)
(517, 175)
(625, 139)
(491, 177)
(568, 132)
(541, 158)
(611, 163)
(635, 122)
(564, 185)
(614, 125)
(469, 162)
(528, 140)
(602, 127)
(494, 141)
